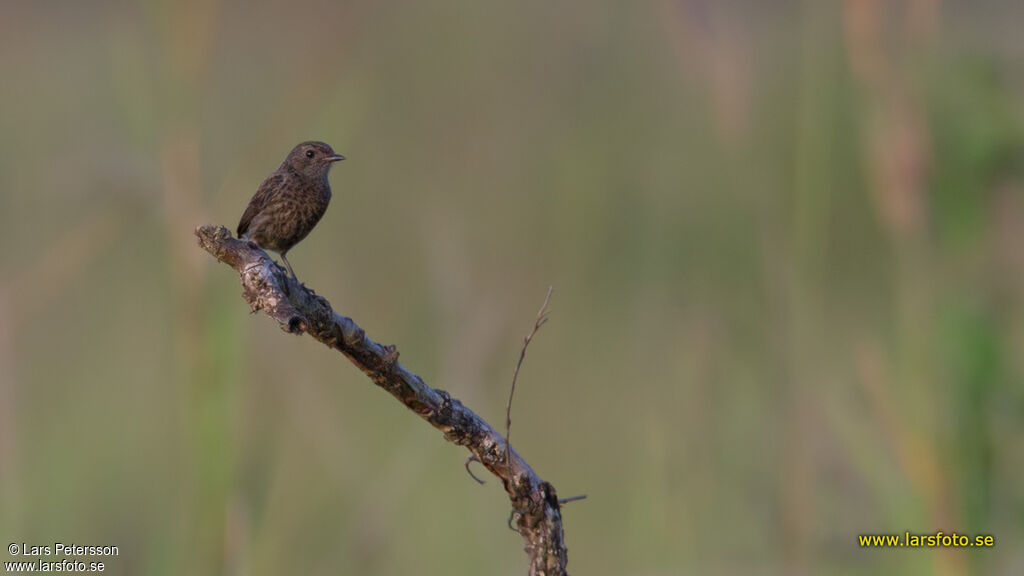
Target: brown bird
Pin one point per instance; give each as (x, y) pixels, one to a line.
(290, 202)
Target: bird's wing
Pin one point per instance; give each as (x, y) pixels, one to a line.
(259, 200)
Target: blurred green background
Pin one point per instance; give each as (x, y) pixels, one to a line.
(785, 239)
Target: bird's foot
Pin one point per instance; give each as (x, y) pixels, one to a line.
(285, 279)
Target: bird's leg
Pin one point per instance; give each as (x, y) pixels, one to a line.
(289, 266)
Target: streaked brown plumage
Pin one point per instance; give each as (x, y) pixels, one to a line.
(290, 202)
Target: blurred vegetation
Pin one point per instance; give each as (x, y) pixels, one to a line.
(784, 238)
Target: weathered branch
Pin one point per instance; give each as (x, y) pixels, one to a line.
(298, 309)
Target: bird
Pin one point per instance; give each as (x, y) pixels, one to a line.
(291, 201)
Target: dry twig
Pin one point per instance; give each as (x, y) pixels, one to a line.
(298, 309)
(542, 318)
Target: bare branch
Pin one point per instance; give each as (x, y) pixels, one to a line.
(542, 318)
(298, 309)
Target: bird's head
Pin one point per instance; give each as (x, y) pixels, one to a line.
(312, 159)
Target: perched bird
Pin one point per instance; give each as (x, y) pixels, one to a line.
(290, 202)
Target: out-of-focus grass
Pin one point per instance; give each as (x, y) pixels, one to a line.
(783, 238)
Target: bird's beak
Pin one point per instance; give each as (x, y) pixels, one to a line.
(335, 158)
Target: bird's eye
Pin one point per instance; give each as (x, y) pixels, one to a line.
(309, 153)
